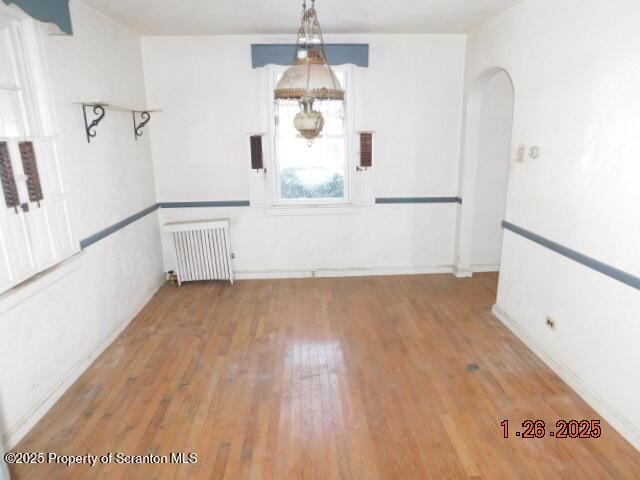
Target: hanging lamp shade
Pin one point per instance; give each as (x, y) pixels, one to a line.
(310, 77)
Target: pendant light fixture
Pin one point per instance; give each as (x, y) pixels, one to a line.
(310, 78)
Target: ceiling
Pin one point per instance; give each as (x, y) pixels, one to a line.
(215, 17)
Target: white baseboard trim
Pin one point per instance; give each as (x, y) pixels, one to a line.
(485, 268)
(341, 272)
(618, 421)
(16, 432)
(461, 272)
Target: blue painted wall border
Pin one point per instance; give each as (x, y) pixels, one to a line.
(96, 237)
(410, 200)
(598, 266)
(223, 203)
(608, 270)
(263, 54)
(48, 11)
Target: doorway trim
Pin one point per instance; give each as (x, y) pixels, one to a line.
(470, 149)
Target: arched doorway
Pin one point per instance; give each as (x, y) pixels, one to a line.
(485, 171)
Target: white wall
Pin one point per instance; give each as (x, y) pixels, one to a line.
(51, 337)
(496, 120)
(577, 83)
(411, 96)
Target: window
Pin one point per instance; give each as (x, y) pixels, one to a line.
(35, 231)
(317, 174)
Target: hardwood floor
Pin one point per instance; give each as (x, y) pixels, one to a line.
(352, 378)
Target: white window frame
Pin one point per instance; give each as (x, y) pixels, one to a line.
(40, 127)
(349, 178)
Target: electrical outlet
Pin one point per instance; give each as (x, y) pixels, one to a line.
(551, 323)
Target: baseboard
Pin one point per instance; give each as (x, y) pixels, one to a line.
(485, 268)
(28, 421)
(341, 272)
(618, 421)
(461, 272)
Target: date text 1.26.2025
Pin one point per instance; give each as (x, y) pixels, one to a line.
(564, 429)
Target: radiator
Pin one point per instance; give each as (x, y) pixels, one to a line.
(202, 250)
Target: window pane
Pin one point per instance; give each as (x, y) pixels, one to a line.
(317, 171)
(333, 113)
(6, 75)
(10, 118)
(312, 172)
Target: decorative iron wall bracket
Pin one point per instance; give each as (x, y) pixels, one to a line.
(145, 116)
(141, 117)
(99, 111)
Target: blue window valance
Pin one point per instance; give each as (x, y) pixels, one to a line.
(282, 54)
(48, 11)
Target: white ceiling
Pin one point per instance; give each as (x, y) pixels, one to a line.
(208, 17)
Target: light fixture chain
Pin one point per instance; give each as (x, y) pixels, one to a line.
(310, 58)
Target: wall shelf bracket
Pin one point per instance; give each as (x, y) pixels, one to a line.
(141, 116)
(99, 112)
(145, 116)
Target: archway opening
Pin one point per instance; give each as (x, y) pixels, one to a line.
(492, 173)
(486, 152)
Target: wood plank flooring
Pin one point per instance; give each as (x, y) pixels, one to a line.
(349, 378)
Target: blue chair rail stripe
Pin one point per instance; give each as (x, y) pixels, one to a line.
(221, 203)
(409, 200)
(96, 237)
(598, 266)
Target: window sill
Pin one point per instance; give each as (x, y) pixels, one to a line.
(32, 286)
(314, 209)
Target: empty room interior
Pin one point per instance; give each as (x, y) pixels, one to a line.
(320, 239)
